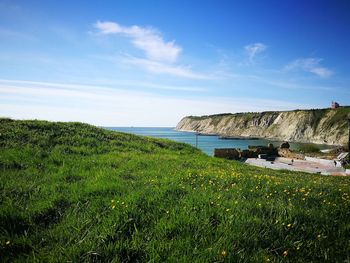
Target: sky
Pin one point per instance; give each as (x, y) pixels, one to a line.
(150, 63)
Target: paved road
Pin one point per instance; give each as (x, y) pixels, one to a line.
(281, 163)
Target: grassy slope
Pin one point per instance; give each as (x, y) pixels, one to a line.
(71, 191)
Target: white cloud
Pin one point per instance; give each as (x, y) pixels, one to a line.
(147, 39)
(288, 84)
(254, 49)
(112, 107)
(311, 65)
(105, 83)
(161, 68)
(160, 56)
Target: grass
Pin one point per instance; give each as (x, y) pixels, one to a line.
(340, 118)
(308, 148)
(210, 116)
(74, 192)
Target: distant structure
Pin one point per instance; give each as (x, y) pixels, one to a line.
(335, 105)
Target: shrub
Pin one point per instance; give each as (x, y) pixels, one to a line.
(309, 148)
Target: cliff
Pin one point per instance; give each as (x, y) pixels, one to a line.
(326, 126)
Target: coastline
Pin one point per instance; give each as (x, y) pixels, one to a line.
(275, 139)
(318, 126)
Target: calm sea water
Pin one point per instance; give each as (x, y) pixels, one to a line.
(205, 143)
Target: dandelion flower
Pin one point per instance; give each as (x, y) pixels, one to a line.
(8, 242)
(289, 225)
(285, 253)
(224, 253)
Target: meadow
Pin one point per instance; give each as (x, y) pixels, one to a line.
(72, 192)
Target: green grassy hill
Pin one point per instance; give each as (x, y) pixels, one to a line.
(71, 192)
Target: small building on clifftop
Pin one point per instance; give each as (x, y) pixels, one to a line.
(334, 105)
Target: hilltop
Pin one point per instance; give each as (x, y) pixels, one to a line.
(75, 192)
(324, 126)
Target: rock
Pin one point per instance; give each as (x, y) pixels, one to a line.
(284, 152)
(248, 154)
(284, 145)
(227, 153)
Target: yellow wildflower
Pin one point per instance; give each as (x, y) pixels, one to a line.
(224, 253)
(8, 242)
(285, 253)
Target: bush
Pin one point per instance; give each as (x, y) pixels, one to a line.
(309, 148)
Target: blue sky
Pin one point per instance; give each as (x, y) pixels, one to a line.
(150, 63)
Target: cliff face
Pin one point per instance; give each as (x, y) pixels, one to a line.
(328, 126)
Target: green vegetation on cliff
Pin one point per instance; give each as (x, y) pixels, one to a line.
(74, 192)
(211, 116)
(340, 115)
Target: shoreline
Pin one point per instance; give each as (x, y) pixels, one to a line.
(232, 137)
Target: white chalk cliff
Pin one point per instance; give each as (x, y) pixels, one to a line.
(327, 126)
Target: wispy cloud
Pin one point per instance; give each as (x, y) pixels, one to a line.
(11, 34)
(107, 106)
(254, 49)
(312, 65)
(148, 40)
(104, 84)
(160, 56)
(277, 81)
(161, 68)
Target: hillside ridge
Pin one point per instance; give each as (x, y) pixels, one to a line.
(75, 192)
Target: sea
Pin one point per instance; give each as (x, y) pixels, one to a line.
(206, 143)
